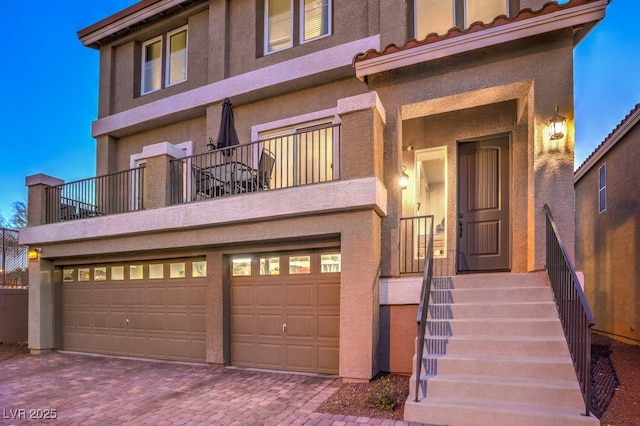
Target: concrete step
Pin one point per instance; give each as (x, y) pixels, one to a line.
(492, 295)
(492, 280)
(495, 326)
(456, 412)
(518, 346)
(550, 393)
(499, 366)
(497, 310)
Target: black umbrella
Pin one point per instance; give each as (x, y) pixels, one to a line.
(228, 136)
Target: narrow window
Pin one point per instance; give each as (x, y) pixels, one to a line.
(484, 10)
(152, 65)
(433, 16)
(278, 24)
(315, 19)
(177, 56)
(602, 188)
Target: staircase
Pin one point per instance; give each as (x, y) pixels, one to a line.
(495, 354)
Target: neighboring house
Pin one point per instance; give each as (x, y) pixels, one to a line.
(607, 188)
(274, 254)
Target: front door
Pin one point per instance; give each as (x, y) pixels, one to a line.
(483, 205)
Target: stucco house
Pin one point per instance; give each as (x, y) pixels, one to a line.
(607, 224)
(299, 249)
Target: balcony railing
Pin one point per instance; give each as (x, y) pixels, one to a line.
(414, 233)
(102, 195)
(300, 158)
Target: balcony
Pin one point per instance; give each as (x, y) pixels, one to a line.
(292, 160)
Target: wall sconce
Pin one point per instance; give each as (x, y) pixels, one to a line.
(404, 178)
(211, 146)
(556, 126)
(34, 253)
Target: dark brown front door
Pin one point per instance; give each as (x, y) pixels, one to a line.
(483, 205)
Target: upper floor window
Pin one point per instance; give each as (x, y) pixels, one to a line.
(438, 16)
(602, 188)
(170, 62)
(282, 17)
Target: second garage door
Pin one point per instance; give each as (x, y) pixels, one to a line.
(285, 312)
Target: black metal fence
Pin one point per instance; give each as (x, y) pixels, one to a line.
(414, 233)
(14, 272)
(575, 315)
(294, 159)
(119, 192)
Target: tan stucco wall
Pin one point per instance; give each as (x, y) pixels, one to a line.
(608, 243)
(538, 74)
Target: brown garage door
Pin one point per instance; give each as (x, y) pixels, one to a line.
(153, 309)
(285, 312)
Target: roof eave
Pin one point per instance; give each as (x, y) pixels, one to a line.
(618, 134)
(92, 35)
(574, 17)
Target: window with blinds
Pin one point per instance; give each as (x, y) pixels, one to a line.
(280, 27)
(164, 67)
(439, 16)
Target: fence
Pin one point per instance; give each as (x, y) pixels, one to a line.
(14, 264)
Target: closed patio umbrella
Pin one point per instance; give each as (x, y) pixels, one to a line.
(228, 137)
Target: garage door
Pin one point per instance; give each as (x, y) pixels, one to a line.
(285, 312)
(153, 309)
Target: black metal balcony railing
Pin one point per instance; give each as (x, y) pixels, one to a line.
(119, 192)
(300, 158)
(573, 309)
(414, 232)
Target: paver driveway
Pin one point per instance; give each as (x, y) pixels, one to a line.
(88, 390)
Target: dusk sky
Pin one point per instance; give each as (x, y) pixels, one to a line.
(51, 87)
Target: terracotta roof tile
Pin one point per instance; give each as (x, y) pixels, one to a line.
(524, 14)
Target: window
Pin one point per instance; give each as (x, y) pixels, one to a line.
(314, 22)
(602, 188)
(438, 16)
(174, 64)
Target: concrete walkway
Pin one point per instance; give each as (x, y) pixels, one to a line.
(88, 390)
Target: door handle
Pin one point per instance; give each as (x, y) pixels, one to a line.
(284, 328)
(460, 229)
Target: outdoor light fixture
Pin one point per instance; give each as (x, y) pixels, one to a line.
(556, 126)
(404, 178)
(211, 146)
(34, 253)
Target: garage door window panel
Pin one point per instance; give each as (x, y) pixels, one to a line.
(270, 266)
(84, 274)
(117, 273)
(68, 275)
(299, 265)
(156, 271)
(241, 267)
(100, 274)
(136, 272)
(199, 269)
(330, 263)
(177, 270)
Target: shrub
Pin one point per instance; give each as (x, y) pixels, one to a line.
(383, 395)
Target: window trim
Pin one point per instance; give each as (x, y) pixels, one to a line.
(144, 61)
(602, 207)
(302, 22)
(267, 51)
(167, 59)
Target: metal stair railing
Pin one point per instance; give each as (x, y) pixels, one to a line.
(573, 309)
(423, 307)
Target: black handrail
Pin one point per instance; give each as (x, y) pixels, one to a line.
(423, 307)
(573, 309)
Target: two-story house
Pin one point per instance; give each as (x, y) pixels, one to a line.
(296, 249)
(607, 222)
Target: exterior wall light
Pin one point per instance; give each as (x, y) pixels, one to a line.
(211, 146)
(34, 253)
(556, 126)
(404, 178)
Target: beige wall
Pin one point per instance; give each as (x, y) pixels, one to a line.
(608, 243)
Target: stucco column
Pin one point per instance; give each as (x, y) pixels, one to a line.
(37, 197)
(218, 309)
(42, 306)
(360, 298)
(157, 173)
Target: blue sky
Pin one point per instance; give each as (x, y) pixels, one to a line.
(51, 80)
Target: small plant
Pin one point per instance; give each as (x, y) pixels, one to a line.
(383, 395)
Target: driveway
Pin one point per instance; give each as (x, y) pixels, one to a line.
(90, 390)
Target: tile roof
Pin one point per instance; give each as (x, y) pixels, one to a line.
(524, 14)
(609, 141)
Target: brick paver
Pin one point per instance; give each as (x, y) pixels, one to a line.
(89, 390)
